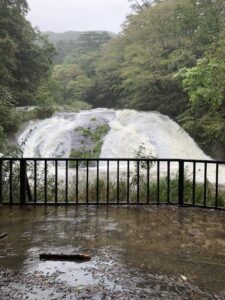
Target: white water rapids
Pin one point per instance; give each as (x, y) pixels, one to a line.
(129, 129)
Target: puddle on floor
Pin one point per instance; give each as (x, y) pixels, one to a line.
(69, 272)
(136, 252)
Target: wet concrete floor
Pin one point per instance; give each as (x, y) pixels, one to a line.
(137, 253)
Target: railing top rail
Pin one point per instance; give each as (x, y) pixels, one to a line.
(115, 159)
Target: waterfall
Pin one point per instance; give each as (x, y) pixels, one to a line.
(161, 137)
(129, 129)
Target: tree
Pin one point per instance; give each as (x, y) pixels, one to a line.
(17, 6)
(27, 54)
(205, 82)
(140, 5)
(26, 59)
(92, 40)
(8, 120)
(139, 68)
(74, 79)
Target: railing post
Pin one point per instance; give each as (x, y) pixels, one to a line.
(1, 174)
(181, 183)
(23, 181)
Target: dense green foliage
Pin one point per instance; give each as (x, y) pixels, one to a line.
(139, 68)
(26, 58)
(25, 54)
(73, 79)
(204, 84)
(169, 57)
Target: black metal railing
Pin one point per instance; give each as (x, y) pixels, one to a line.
(112, 181)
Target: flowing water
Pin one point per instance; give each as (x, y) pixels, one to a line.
(128, 130)
(160, 136)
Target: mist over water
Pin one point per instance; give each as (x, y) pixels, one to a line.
(128, 130)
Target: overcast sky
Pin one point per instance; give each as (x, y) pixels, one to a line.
(78, 15)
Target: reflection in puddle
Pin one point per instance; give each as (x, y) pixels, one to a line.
(71, 273)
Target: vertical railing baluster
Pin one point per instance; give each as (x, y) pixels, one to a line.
(128, 182)
(118, 181)
(181, 183)
(194, 183)
(205, 184)
(168, 182)
(138, 182)
(46, 181)
(148, 182)
(107, 182)
(1, 181)
(67, 175)
(10, 182)
(35, 182)
(97, 184)
(28, 189)
(217, 185)
(56, 181)
(23, 166)
(77, 181)
(158, 182)
(87, 183)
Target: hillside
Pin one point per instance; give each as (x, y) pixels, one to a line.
(67, 42)
(68, 36)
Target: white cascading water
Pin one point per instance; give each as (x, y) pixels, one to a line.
(158, 133)
(129, 129)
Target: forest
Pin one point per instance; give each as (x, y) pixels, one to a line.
(169, 57)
